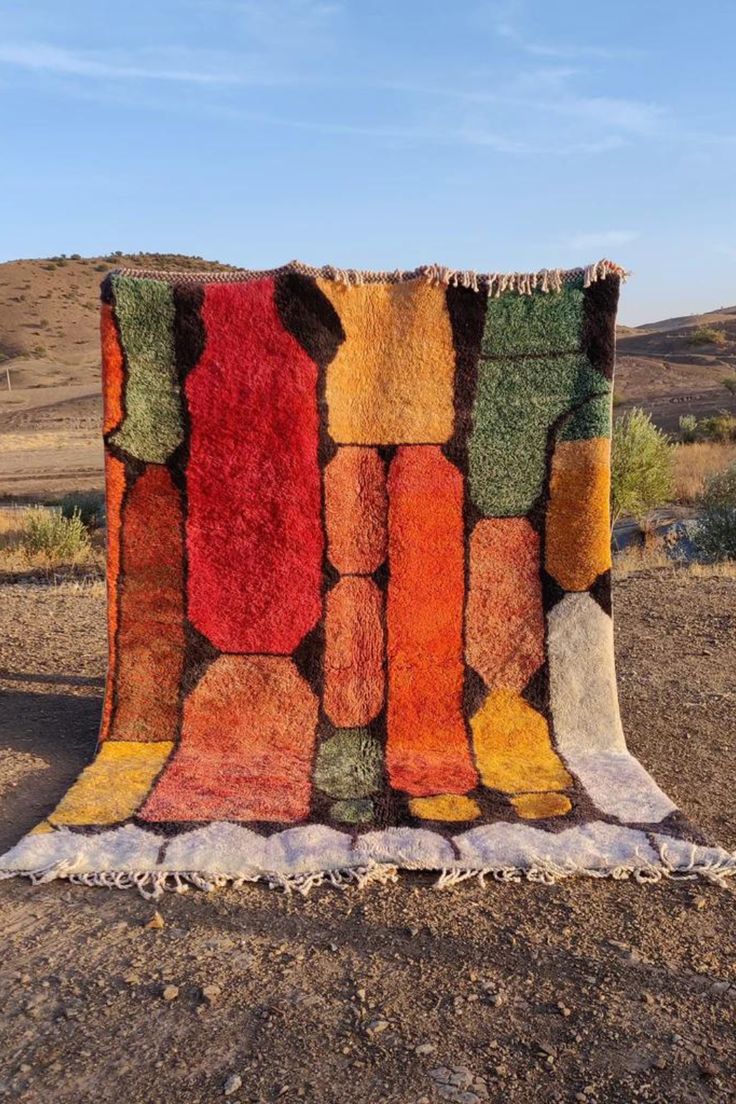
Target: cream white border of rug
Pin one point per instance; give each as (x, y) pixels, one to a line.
(299, 858)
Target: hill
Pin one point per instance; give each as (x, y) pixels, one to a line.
(50, 402)
(49, 353)
(677, 366)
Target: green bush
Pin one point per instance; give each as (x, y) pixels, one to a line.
(90, 506)
(707, 335)
(641, 466)
(688, 428)
(720, 427)
(59, 538)
(717, 526)
(730, 384)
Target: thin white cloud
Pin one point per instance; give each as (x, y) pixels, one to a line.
(505, 18)
(548, 91)
(603, 239)
(42, 58)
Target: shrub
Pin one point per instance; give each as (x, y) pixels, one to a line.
(730, 384)
(717, 528)
(641, 469)
(90, 506)
(688, 428)
(59, 538)
(39, 350)
(720, 427)
(707, 335)
(102, 267)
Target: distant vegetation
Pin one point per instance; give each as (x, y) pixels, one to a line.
(717, 528)
(52, 534)
(88, 505)
(42, 541)
(642, 466)
(707, 335)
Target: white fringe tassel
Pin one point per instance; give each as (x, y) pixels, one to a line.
(152, 884)
(525, 283)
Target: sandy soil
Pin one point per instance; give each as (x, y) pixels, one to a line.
(584, 991)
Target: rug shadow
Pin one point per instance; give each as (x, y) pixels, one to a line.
(45, 740)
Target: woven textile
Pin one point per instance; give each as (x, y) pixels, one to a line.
(359, 588)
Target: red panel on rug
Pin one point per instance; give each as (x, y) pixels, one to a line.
(428, 750)
(254, 534)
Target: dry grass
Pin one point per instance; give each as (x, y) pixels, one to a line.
(693, 463)
(652, 557)
(16, 560)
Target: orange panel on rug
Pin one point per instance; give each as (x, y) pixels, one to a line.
(355, 510)
(391, 380)
(354, 652)
(150, 635)
(427, 750)
(246, 747)
(504, 619)
(254, 528)
(112, 370)
(577, 531)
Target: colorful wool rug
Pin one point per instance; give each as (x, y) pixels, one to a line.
(359, 588)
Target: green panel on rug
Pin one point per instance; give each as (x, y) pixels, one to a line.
(516, 404)
(592, 419)
(349, 764)
(543, 322)
(152, 427)
(352, 811)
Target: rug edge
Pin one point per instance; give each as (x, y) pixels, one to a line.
(645, 859)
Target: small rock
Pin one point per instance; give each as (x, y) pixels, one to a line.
(210, 993)
(700, 903)
(563, 1009)
(425, 1048)
(361, 995)
(375, 1027)
(719, 987)
(156, 923)
(170, 992)
(232, 1083)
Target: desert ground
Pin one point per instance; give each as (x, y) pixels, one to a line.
(604, 992)
(591, 991)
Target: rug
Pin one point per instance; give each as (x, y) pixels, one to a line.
(359, 593)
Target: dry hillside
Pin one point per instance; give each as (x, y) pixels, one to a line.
(49, 349)
(670, 368)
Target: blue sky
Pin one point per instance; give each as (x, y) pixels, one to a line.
(487, 134)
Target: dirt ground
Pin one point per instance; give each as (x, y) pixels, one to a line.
(582, 991)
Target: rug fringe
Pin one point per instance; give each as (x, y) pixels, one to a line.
(152, 884)
(524, 283)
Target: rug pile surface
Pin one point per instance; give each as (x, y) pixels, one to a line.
(359, 588)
